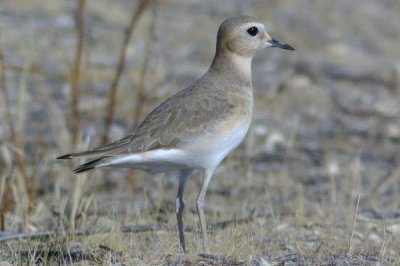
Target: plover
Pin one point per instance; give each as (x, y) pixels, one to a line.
(196, 128)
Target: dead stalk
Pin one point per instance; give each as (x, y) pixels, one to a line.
(76, 72)
(120, 68)
(77, 198)
(355, 191)
(20, 137)
(6, 200)
(385, 241)
(141, 95)
(21, 199)
(300, 250)
(354, 225)
(6, 97)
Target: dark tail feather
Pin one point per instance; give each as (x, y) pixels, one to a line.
(87, 166)
(91, 153)
(111, 148)
(66, 156)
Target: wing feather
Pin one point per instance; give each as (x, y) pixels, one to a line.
(179, 119)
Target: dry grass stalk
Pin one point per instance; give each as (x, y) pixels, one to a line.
(385, 242)
(18, 138)
(355, 195)
(120, 68)
(59, 129)
(76, 200)
(76, 70)
(6, 97)
(5, 199)
(5, 202)
(141, 95)
(26, 186)
(21, 199)
(354, 225)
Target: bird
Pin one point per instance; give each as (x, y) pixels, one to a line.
(195, 129)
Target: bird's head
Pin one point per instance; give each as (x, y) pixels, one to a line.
(244, 35)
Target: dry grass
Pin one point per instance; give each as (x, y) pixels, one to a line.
(316, 181)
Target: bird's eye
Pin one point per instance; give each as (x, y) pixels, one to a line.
(252, 31)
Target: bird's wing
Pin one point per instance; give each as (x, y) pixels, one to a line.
(181, 118)
(177, 120)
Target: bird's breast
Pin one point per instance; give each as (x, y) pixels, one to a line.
(210, 143)
(209, 149)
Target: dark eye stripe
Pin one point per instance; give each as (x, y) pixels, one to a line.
(252, 31)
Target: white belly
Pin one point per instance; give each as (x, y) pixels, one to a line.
(209, 150)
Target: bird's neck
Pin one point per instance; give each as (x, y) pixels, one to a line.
(234, 67)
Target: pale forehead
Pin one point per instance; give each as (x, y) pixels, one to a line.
(235, 22)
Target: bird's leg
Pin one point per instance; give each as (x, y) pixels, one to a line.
(207, 175)
(179, 206)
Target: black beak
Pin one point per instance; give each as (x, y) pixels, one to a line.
(282, 45)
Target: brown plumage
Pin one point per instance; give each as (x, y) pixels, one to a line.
(197, 127)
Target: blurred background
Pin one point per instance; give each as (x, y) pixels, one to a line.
(316, 180)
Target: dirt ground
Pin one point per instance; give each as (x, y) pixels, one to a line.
(316, 182)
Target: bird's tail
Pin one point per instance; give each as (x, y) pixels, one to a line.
(111, 148)
(99, 154)
(89, 165)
